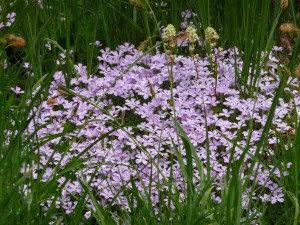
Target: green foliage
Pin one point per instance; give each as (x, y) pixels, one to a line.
(249, 25)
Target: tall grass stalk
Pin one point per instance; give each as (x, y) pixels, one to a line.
(249, 25)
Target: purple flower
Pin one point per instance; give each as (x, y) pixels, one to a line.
(17, 90)
(118, 156)
(277, 197)
(141, 158)
(107, 194)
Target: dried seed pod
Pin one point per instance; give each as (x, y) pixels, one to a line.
(15, 42)
(62, 92)
(51, 101)
(151, 87)
(288, 72)
(166, 155)
(287, 28)
(137, 3)
(297, 71)
(284, 3)
(183, 35)
(143, 44)
(286, 44)
(180, 36)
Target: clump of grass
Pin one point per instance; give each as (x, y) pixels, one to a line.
(69, 154)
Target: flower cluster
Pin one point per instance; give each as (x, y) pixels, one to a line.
(193, 37)
(193, 34)
(93, 111)
(10, 18)
(169, 31)
(211, 36)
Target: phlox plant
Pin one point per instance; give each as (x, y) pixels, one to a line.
(208, 161)
(162, 135)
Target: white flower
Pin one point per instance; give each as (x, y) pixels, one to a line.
(211, 36)
(169, 31)
(193, 35)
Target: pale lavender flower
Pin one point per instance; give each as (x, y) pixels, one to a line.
(17, 90)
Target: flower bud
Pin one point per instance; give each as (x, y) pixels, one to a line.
(191, 48)
(173, 57)
(166, 155)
